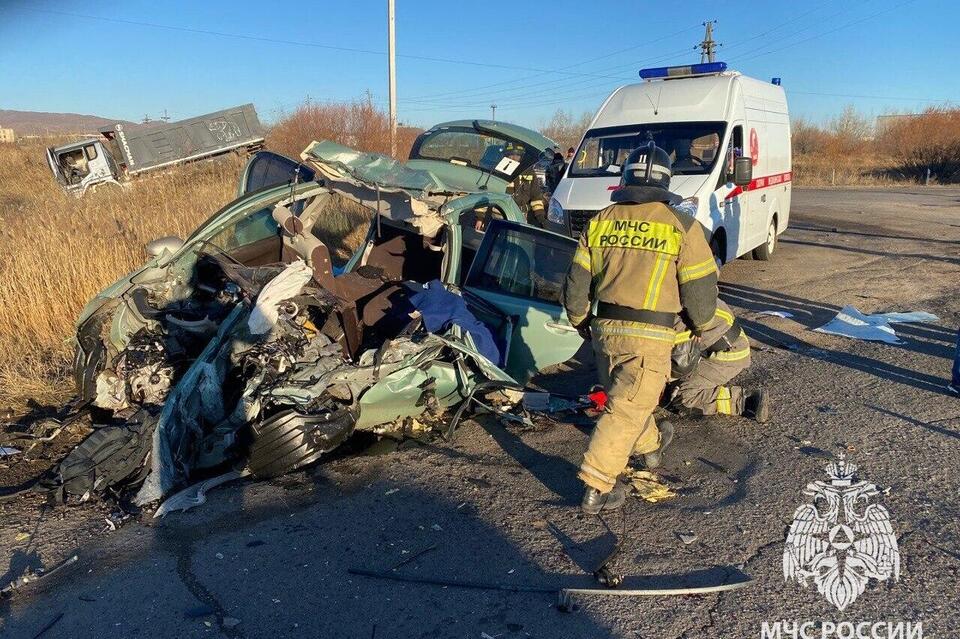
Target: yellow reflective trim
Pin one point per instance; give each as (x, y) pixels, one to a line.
(725, 316)
(646, 331)
(658, 237)
(582, 257)
(536, 205)
(662, 273)
(655, 283)
(596, 263)
(696, 271)
(731, 356)
(682, 336)
(723, 401)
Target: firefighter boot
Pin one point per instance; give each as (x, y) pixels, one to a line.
(757, 405)
(654, 459)
(594, 501)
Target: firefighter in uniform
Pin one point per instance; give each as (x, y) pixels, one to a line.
(525, 190)
(639, 262)
(703, 369)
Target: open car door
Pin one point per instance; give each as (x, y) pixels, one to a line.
(520, 269)
(267, 168)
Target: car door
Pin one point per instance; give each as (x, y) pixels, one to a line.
(267, 168)
(520, 269)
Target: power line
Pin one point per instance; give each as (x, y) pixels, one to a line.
(868, 97)
(299, 43)
(485, 87)
(525, 90)
(824, 33)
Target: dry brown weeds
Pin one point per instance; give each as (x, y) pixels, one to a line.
(57, 251)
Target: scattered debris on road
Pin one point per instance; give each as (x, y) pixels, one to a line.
(30, 577)
(781, 314)
(648, 486)
(850, 322)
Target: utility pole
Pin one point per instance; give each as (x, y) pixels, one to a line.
(165, 117)
(392, 64)
(146, 119)
(493, 112)
(708, 47)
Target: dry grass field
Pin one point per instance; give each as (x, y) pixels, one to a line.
(57, 251)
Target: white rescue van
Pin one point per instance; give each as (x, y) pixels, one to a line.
(728, 137)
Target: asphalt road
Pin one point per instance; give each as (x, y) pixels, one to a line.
(499, 504)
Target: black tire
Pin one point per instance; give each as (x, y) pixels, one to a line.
(290, 440)
(765, 251)
(110, 457)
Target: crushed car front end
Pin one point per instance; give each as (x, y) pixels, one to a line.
(244, 349)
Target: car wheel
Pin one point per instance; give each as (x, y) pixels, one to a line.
(765, 250)
(110, 457)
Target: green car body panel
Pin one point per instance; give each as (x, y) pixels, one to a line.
(542, 336)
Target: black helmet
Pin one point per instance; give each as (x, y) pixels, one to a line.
(646, 177)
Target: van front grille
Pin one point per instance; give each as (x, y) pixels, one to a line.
(578, 220)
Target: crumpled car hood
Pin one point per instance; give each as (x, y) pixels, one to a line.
(372, 168)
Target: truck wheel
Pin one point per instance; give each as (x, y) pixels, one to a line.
(765, 250)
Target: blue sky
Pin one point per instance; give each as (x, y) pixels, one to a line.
(456, 58)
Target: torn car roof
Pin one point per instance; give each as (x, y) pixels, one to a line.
(338, 162)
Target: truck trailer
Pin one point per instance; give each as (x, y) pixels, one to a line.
(123, 152)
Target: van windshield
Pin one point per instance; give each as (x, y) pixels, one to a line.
(693, 147)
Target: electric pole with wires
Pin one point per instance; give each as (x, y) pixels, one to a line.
(392, 72)
(493, 112)
(708, 47)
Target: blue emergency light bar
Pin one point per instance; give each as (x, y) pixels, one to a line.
(706, 68)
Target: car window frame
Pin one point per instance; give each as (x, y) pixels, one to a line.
(486, 246)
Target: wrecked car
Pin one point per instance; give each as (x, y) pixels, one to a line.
(248, 346)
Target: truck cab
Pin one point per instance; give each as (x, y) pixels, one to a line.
(81, 165)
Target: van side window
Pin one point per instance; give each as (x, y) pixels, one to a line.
(734, 150)
(91, 151)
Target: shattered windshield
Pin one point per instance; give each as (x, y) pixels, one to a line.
(468, 147)
(692, 147)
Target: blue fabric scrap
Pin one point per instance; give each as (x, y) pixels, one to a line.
(442, 309)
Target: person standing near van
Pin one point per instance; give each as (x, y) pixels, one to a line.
(641, 263)
(555, 172)
(525, 190)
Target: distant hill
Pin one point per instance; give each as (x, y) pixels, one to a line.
(43, 123)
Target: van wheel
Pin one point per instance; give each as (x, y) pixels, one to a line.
(765, 250)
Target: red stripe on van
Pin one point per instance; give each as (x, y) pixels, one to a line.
(762, 183)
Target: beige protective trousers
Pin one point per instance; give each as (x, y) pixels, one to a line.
(634, 371)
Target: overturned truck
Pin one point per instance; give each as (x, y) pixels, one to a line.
(246, 347)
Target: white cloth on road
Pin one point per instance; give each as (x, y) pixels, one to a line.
(850, 322)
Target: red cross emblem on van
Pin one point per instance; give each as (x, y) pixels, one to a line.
(754, 147)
